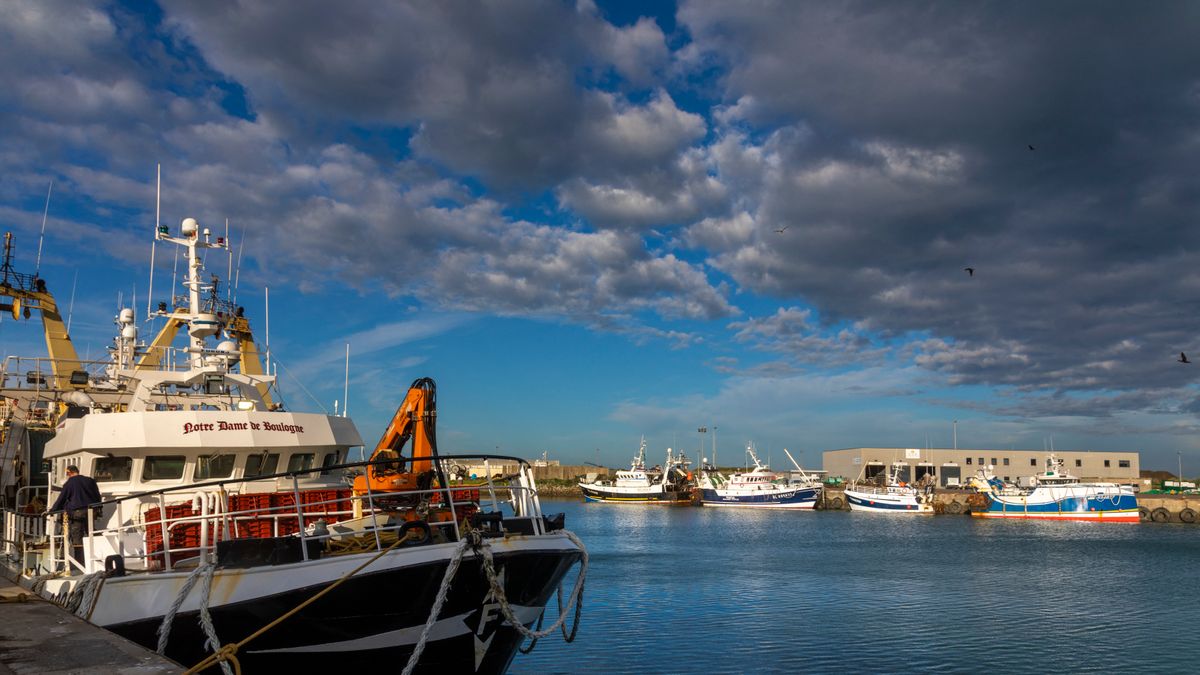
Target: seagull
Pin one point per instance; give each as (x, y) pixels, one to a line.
(1032, 148)
(1183, 358)
(970, 271)
(780, 230)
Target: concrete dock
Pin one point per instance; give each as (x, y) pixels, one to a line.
(40, 637)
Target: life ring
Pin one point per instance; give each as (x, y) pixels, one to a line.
(1143, 514)
(1160, 515)
(1187, 516)
(836, 503)
(954, 508)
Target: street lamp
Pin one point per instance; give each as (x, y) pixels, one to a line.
(700, 454)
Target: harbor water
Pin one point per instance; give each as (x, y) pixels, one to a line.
(706, 590)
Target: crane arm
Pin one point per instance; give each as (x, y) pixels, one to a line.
(415, 419)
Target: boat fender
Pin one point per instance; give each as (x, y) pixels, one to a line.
(836, 503)
(1143, 514)
(1187, 516)
(1160, 515)
(954, 508)
(426, 533)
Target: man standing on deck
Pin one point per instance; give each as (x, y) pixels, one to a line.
(78, 494)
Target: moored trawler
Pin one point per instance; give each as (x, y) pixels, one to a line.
(759, 488)
(1056, 495)
(888, 494)
(668, 484)
(221, 512)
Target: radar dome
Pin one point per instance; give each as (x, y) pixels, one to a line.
(189, 227)
(126, 316)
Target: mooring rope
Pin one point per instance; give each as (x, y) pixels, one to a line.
(164, 629)
(443, 591)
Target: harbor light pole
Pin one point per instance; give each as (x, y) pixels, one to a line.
(700, 454)
(955, 434)
(1180, 453)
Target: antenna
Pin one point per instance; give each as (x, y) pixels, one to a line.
(154, 242)
(38, 266)
(267, 322)
(229, 275)
(346, 390)
(237, 275)
(71, 307)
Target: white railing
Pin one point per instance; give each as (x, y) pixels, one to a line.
(140, 528)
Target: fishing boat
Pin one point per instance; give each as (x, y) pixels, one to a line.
(1055, 495)
(887, 493)
(231, 529)
(759, 487)
(670, 483)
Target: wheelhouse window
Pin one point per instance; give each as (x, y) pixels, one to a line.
(164, 467)
(264, 464)
(112, 469)
(214, 466)
(301, 461)
(330, 459)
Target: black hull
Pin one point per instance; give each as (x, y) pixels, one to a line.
(376, 618)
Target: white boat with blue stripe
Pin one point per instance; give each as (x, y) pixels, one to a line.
(888, 494)
(760, 487)
(1056, 495)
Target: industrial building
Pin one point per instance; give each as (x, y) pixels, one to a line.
(952, 467)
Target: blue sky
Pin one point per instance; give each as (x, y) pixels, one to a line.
(595, 221)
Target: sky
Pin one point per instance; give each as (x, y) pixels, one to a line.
(595, 221)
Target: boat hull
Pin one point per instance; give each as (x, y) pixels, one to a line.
(373, 618)
(797, 498)
(886, 503)
(1114, 509)
(592, 494)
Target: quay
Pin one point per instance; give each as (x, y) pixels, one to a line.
(40, 637)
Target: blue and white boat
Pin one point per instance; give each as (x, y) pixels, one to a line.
(889, 495)
(759, 488)
(1056, 495)
(639, 485)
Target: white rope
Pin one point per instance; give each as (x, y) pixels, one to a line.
(164, 629)
(82, 599)
(451, 570)
(213, 642)
(498, 590)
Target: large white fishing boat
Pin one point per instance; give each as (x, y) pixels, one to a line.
(759, 487)
(227, 524)
(1055, 495)
(886, 493)
(670, 483)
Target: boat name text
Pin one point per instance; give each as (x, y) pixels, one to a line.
(191, 427)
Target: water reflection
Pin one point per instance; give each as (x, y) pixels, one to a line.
(677, 589)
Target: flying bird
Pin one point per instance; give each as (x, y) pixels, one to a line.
(1183, 358)
(1032, 148)
(780, 230)
(970, 271)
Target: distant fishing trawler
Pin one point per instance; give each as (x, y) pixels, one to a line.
(1056, 495)
(671, 483)
(760, 487)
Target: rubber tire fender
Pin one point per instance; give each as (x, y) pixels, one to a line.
(954, 508)
(1187, 516)
(836, 503)
(1143, 514)
(1160, 515)
(413, 525)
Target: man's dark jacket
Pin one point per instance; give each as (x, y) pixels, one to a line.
(79, 492)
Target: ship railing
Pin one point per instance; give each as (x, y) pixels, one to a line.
(127, 529)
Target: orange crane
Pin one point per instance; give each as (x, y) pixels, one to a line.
(415, 418)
